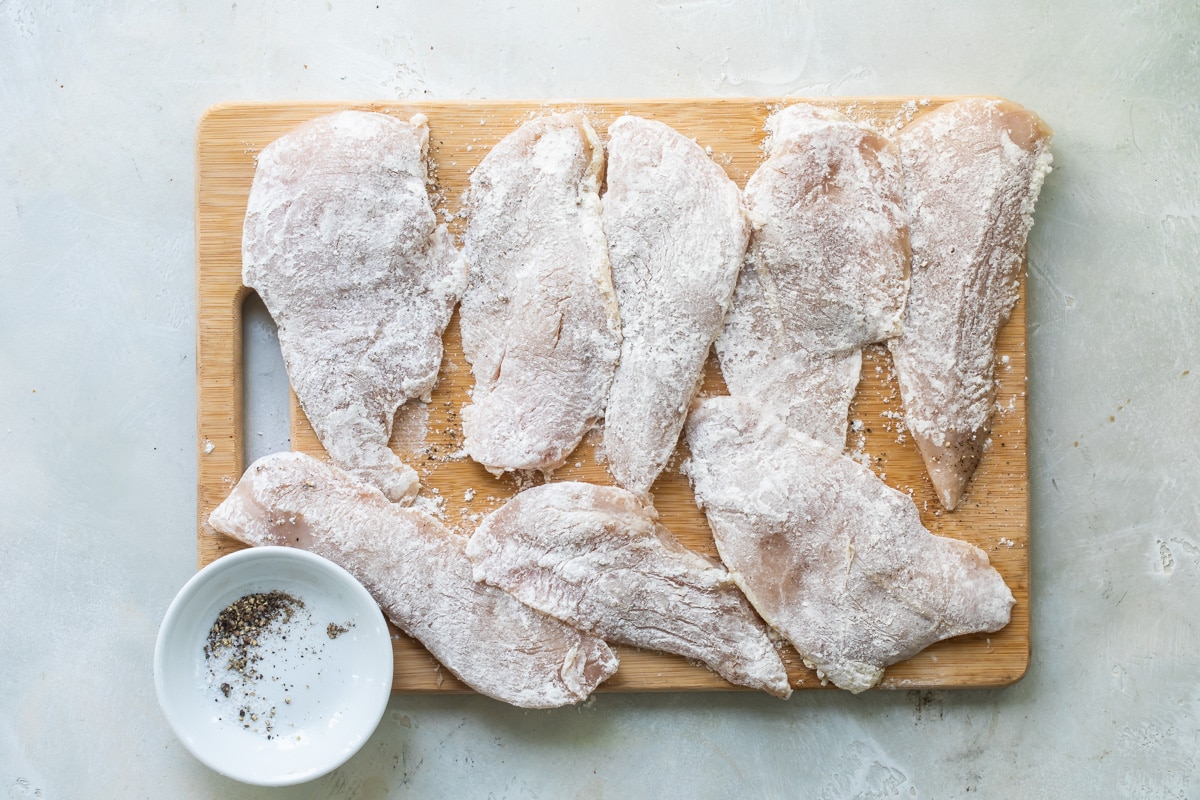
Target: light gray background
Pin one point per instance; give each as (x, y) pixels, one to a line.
(98, 107)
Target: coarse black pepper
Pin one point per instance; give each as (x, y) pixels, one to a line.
(240, 625)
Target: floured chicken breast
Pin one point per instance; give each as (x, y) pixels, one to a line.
(676, 236)
(596, 558)
(826, 273)
(539, 318)
(831, 556)
(341, 243)
(419, 573)
(973, 170)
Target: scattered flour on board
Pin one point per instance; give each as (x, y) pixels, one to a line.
(904, 115)
(433, 505)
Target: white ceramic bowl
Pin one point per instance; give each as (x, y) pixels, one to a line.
(316, 697)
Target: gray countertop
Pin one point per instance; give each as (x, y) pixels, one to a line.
(98, 108)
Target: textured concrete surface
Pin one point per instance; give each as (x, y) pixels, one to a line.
(97, 388)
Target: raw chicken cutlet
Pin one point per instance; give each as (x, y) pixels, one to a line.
(341, 243)
(826, 272)
(973, 170)
(419, 573)
(833, 558)
(539, 320)
(676, 236)
(596, 558)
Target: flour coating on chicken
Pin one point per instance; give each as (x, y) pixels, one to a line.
(597, 558)
(419, 573)
(341, 243)
(540, 325)
(973, 170)
(829, 555)
(677, 234)
(826, 272)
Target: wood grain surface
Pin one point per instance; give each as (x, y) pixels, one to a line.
(992, 515)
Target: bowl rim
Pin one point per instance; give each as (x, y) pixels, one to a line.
(194, 585)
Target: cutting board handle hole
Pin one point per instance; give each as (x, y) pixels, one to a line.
(264, 383)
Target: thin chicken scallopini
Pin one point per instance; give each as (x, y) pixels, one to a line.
(597, 558)
(539, 319)
(341, 243)
(826, 272)
(831, 556)
(973, 170)
(676, 233)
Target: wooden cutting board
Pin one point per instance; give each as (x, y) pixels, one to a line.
(993, 514)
